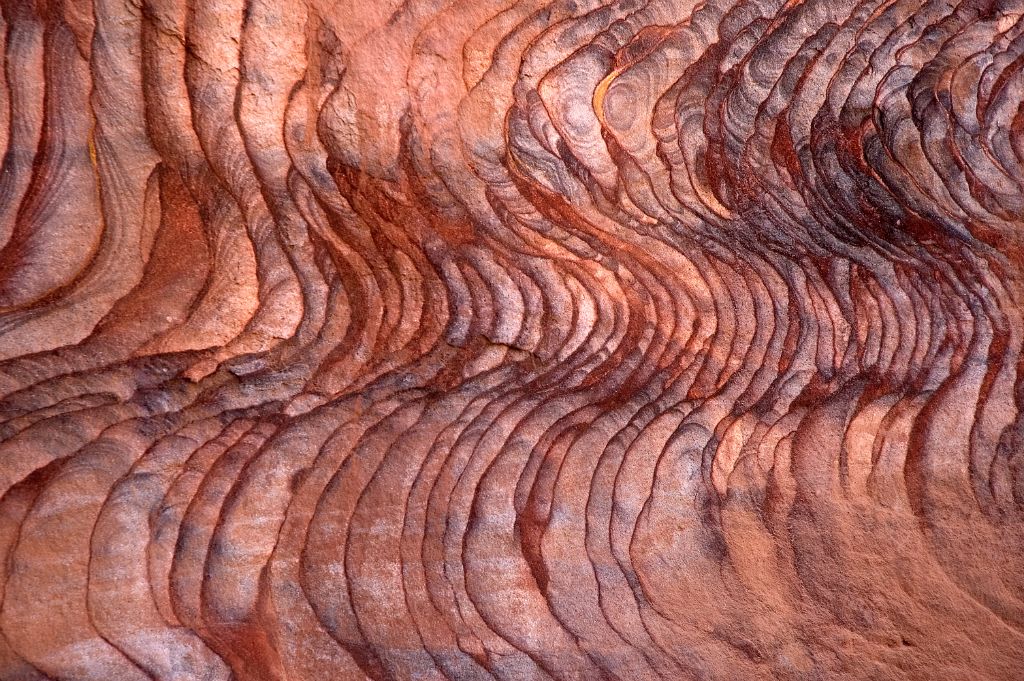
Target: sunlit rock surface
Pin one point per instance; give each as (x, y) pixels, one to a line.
(479, 339)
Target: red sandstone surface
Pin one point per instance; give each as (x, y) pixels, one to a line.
(480, 339)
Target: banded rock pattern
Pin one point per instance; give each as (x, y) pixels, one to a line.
(480, 339)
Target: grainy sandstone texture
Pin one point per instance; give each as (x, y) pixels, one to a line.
(536, 340)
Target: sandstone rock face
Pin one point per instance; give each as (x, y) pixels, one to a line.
(603, 340)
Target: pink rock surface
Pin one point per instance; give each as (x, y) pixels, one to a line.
(483, 339)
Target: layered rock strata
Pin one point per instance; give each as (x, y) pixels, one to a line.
(480, 339)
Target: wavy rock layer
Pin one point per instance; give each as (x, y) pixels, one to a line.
(480, 339)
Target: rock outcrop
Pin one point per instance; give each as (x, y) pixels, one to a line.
(480, 339)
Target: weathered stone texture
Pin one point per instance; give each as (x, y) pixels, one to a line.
(480, 339)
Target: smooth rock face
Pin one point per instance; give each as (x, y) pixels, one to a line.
(481, 339)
